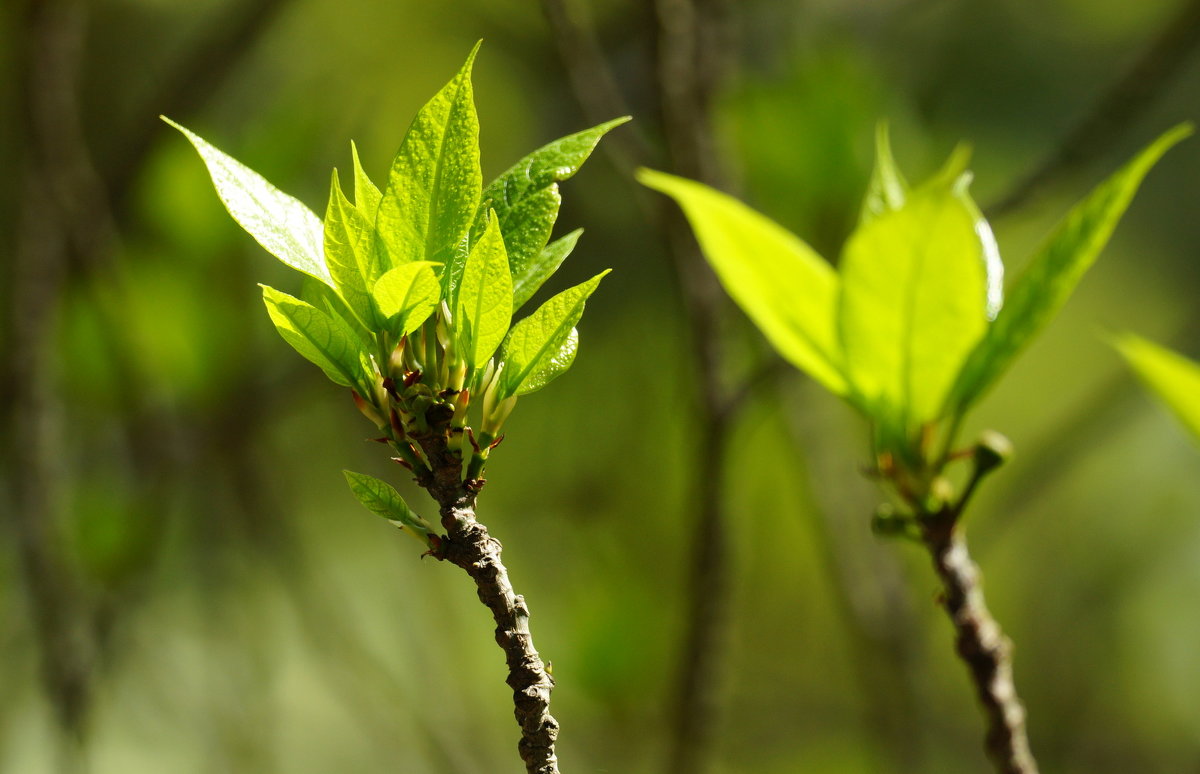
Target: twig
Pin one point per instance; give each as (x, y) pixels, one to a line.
(1122, 103)
(981, 645)
(468, 546)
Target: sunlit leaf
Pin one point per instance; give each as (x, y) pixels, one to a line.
(322, 339)
(1046, 283)
(543, 345)
(484, 308)
(542, 267)
(434, 184)
(526, 200)
(913, 305)
(382, 499)
(407, 295)
(780, 282)
(281, 224)
(366, 194)
(349, 243)
(1172, 377)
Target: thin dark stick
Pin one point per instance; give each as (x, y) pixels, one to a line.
(1116, 109)
(981, 645)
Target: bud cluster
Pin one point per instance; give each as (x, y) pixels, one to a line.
(422, 396)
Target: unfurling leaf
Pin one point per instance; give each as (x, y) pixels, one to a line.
(366, 194)
(888, 188)
(406, 296)
(1172, 377)
(526, 200)
(382, 499)
(1049, 279)
(913, 305)
(434, 184)
(321, 338)
(485, 301)
(543, 345)
(281, 224)
(349, 248)
(781, 283)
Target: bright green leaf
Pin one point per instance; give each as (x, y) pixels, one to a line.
(913, 305)
(366, 194)
(281, 224)
(316, 293)
(407, 295)
(484, 308)
(780, 282)
(434, 184)
(543, 345)
(382, 499)
(1172, 377)
(1052, 275)
(888, 188)
(349, 245)
(324, 340)
(542, 267)
(526, 199)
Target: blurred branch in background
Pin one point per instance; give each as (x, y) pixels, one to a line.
(694, 48)
(1124, 102)
(66, 229)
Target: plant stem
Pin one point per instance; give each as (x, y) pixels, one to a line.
(468, 545)
(981, 644)
(478, 553)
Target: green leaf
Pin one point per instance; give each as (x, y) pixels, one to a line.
(913, 305)
(543, 345)
(434, 184)
(281, 224)
(485, 299)
(366, 194)
(781, 283)
(407, 295)
(316, 293)
(1172, 377)
(542, 267)
(322, 339)
(382, 499)
(349, 248)
(1050, 278)
(888, 188)
(526, 199)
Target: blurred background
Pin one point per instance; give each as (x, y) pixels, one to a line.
(186, 584)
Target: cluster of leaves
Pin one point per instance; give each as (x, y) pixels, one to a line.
(411, 291)
(915, 325)
(1172, 377)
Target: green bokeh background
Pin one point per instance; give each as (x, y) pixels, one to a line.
(256, 619)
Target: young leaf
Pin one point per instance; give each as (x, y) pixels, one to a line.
(382, 499)
(366, 194)
(281, 224)
(1052, 275)
(913, 305)
(434, 183)
(1172, 377)
(407, 295)
(323, 339)
(526, 199)
(888, 188)
(484, 307)
(349, 247)
(543, 345)
(780, 282)
(542, 267)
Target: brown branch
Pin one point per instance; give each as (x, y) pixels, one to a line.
(1128, 97)
(468, 546)
(980, 644)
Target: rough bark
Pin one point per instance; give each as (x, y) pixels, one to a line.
(982, 646)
